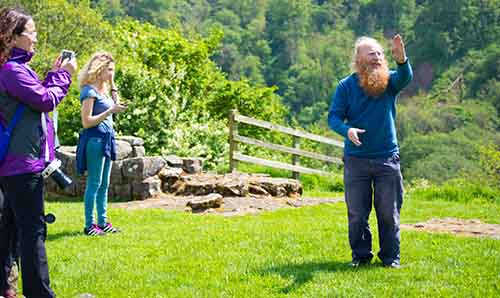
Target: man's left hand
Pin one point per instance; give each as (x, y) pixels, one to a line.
(398, 49)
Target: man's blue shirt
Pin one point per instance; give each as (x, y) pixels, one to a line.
(352, 107)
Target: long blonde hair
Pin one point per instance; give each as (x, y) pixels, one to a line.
(90, 73)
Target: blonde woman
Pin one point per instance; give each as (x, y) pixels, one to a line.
(96, 145)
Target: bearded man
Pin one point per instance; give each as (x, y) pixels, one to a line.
(363, 110)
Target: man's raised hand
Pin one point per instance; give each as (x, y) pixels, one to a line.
(398, 49)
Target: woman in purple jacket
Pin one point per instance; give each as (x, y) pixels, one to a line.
(30, 149)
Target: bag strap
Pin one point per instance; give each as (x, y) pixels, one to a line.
(17, 116)
(19, 110)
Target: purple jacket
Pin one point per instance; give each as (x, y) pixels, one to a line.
(19, 83)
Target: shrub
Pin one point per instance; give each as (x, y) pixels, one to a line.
(459, 190)
(178, 98)
(489, 160)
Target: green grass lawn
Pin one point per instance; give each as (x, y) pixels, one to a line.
(287, 253)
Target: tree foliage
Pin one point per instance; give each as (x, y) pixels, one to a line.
(182, 65)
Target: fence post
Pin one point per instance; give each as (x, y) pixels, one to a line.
(233, 145)
(296, 158)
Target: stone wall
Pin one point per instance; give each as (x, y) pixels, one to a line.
(135, 176)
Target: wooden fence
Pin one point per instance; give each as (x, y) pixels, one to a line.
(235, 138)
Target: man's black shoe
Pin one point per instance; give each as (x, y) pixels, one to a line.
(393, 265)
(361, 262)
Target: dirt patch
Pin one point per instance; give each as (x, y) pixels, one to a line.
(252, 205)
(469, 227)
(232, 205)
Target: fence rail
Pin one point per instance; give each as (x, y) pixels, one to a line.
(295, 151)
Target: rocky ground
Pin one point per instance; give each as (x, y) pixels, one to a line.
(465, 227)
(228, 206)
(231, 206)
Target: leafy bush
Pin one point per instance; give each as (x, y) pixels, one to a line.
(441, 156)
(437, 156)
(460, 190)
(479, 70)
(206, 139)
(489, 160)
(178, 99)
(441, 166)
(423, 115)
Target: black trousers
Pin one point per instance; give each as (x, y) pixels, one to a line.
(376, 182)
(23, 216)
(9, 264)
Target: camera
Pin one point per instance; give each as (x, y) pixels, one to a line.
(67, 54)
(53, 170)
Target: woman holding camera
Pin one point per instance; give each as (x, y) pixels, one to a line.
(96, 145)
(30, 149)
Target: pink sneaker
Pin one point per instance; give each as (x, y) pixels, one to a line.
(93, 230)
(108, 228)
(9, 293)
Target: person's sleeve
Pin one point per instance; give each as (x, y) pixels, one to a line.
(87, 92)
(40, 96)
(338, 111)
(402, 76)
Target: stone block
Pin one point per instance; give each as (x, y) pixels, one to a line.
(169, 176)
(205, 202)
(68, 159)
(140, 168)
(123, 150)
(192, 165)
(80, 184)
(122, 191)
(50, 186)
(116, 172)
(198, 185)
(174, 161)
(257, 190)
(278, 187)
(232, 188)
(138, 151)
(146, 189)
(133, 141)
(67, 149)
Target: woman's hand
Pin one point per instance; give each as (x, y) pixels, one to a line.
(57, 64)
(89, 120)
(117, 108)
(69, 65)
(115, 96)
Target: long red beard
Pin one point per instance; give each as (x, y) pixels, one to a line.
(373, 81)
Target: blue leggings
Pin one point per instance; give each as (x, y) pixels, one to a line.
(96, 191)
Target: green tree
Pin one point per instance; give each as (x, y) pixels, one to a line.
(489, 160)
(447, 29)
(390, 16)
